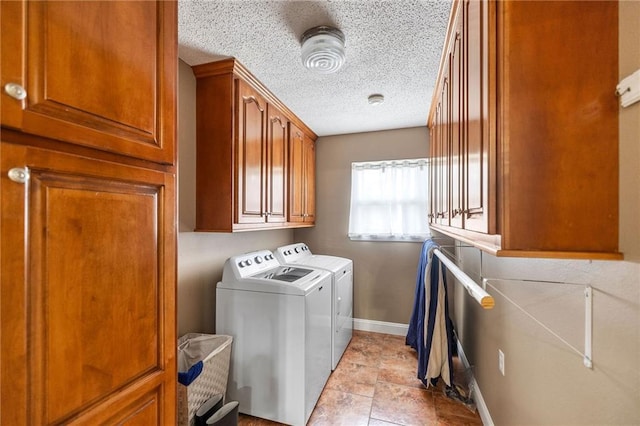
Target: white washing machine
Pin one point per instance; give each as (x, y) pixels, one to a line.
(341, 290)
(280, 320)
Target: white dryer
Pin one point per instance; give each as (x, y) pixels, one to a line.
(280, 320)
(341, 290)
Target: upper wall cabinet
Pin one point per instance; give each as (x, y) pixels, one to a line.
(524, 129)
(302, 158)
(88, 213)
(245, 177)
(96, 74)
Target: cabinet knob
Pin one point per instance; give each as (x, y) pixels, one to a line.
(19, 174)
(15, 91)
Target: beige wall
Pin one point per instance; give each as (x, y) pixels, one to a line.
(384, 273)
(545, 382)
(201, 256)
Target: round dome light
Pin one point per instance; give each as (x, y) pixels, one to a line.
(323, 49)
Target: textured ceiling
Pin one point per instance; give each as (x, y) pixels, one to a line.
(393, 47)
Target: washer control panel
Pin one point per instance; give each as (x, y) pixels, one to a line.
(293, 252)
(248, 264)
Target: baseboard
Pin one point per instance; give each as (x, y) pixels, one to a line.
(475, 391)
(380, 327)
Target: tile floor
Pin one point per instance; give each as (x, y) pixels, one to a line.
(375, 384)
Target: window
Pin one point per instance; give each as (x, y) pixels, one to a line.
(389, 200)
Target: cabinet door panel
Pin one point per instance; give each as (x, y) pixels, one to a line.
(88, 269)
(477, 115)
(445, 154)
(310, 180)
(433, 187)
(99, 74)
(277, 139)
(250, 154)
(456, 128)
(302, 183)
(297, 169)
(436, 164)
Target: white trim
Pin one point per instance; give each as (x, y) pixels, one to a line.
(380, 326)
(476, 395)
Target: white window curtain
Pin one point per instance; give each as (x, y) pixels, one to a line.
(389, 200)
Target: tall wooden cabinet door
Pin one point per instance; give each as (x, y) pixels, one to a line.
(433, 187)
(250, 155)
(94, 73)
(277, 141)
(436, 165)
(444, 156)
(309, 180)
(87, 301)
(477, 148)
(455, 78)
(302, 177)
(296, 174)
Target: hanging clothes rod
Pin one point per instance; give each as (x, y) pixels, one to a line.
(477, 292)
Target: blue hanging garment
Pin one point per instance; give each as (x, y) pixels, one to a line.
(430, 330)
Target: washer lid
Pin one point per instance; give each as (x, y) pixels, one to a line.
(300, 286)
(284, 273)
(329, 263)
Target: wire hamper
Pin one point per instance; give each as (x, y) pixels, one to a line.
(213, 378)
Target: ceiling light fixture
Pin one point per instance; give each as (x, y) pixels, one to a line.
(376, 99)
(323, 49)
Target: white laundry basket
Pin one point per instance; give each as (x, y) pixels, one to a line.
(215, 352)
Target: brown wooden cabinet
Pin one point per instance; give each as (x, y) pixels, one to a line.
(88, 242)
(96, 74)
(302, 161)
(525, 130)
(243, 168)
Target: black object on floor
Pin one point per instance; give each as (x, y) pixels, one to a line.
(207, 409)
(226, 416)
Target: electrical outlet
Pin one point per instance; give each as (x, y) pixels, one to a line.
(501, 361)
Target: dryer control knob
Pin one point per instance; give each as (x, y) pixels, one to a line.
(297, 250)
(248, 262)
(258, 259)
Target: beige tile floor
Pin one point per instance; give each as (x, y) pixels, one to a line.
(375, 384)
